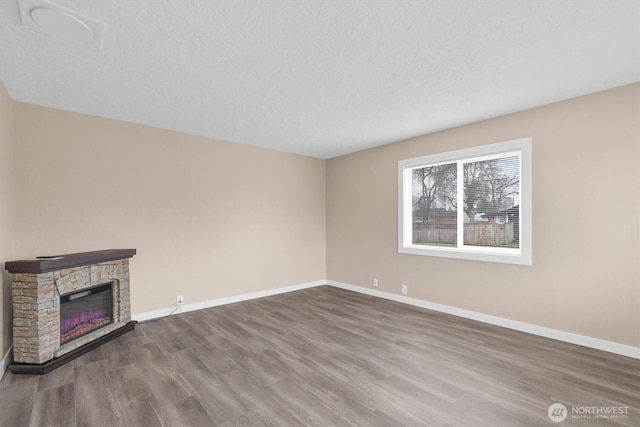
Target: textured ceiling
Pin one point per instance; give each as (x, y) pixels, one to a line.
(322, 77)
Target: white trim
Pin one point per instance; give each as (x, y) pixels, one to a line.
(140, 317)
(569, 337)
(4, 363)
(583, 340)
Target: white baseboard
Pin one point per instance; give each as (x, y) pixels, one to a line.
(583, 340)
(599, 344)
(140, 317)
(4, 363)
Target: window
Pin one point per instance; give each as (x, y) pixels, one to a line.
(470, 204)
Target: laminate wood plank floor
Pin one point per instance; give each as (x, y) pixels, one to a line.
(324, 357)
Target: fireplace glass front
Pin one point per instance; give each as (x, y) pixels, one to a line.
(85, 311)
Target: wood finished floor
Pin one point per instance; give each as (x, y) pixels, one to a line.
(322, 357)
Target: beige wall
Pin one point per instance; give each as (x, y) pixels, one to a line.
(6, 214)
(209, 219)
(585, 277)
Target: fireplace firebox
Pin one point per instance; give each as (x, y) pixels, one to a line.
(85, 311)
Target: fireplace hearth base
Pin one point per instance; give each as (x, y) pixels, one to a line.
(50, 365)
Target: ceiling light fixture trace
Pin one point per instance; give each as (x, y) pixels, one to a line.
(53, 20)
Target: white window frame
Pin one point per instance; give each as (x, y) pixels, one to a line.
(521, 255)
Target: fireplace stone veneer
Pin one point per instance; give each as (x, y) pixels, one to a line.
(37, 287)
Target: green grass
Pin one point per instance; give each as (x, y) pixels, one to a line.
(514, 245)
(448, 245)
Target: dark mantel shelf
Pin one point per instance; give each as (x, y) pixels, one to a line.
(59, 262)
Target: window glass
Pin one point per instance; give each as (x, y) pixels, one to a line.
(435, 205)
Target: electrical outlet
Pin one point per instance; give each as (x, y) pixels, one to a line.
(375, 282)
(404, 289)
(180, 300)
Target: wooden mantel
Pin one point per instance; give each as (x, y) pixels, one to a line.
(58, 262)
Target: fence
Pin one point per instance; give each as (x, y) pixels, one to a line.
(475, 233)
(434, 233)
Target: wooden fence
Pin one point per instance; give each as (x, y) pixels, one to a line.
(434, 233)
(475, 233)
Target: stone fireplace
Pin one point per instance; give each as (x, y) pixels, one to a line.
(64, 306)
